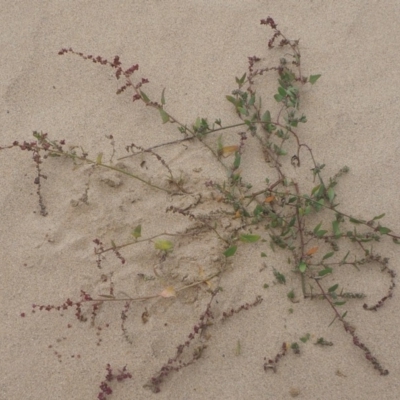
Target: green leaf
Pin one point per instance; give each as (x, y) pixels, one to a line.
(378, 217)
(137, 232)
(232, 100)
(165, 245)
(325, 271)
(316, 229)
(164, 115)
(331, 194)
(339, 303)
(291, 295)
(383, 230)
(305, 338)
(278, 98)
(279, 151)
(304, 211)
(292, 222)
(395, 240)
(282, 91)
(249, 238)
(266, 117)
(144, 97)
(263, 254)
(356, 221)
(302, 267)
(236, 163)
(336, 230)
(243, 111)
(321, 233)
(315, 188)
(327, 255)
(252, 99)
(345, 257)
(333, 288)
(344, 314)
(230, 252)
(280, 277)
(314, 78)
(241, 80)
(163, 97)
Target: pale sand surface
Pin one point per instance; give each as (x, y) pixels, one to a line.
(194, 49)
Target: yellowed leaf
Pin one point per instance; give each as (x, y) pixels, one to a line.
(237, 214)
(269, 199)
(168, 292)
(165, 245)
(228, 150)
(286, 346)
(99, 158)
(311, 251)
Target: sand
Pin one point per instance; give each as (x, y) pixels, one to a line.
(193, 50)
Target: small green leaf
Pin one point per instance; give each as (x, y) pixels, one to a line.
(345, 257)
(278, 98)
(314, 78)
(252, 100)
(232, 100)
(282, 91)
(305, 338)
(316, 229)
(164, 115)
(291, 222)
(327, 255)
(356, 221)
(302, 267)
(243, 111)
(333, 288)
(291, 295)
(315, 189)
(339, 303)
(378, 217)
(280, 277)
(279, 151)
(165, 245)
(249, 238)
(163, 97)
(236, 163)
(325, 271)
(331, 194)
(144, 97)
(230, 251)
(137, 232)
(266, 117)
(241, 80)
(383, 230)
(336, 230)
(344, 314)
(263, 254)
(321, 233)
